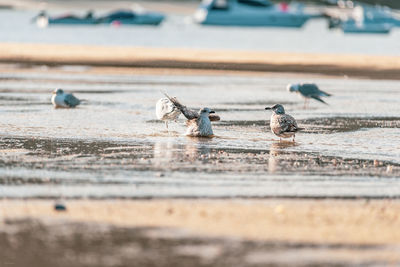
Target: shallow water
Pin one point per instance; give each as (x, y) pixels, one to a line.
(112, 145)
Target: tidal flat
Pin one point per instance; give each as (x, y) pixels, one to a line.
(137, 190)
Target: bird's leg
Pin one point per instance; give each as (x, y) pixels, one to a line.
(166, 125)
(294, 137)
(280, 139)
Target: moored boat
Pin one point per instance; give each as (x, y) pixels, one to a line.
(250, 13)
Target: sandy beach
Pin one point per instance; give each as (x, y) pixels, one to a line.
(309, 221)
(356, 66)
(339, 232)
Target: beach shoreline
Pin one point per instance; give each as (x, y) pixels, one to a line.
(355, 66)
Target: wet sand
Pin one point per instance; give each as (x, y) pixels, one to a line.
(202, 232)
(373, 67)
(120, 151)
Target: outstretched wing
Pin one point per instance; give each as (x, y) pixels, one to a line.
(309, 89)
(166, 110)
(288, 124)
(71, 100)
(188, 113)
(214, 117)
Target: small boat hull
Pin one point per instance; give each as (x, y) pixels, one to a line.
(251, 14)
(375, 28)
(131, 18)
(121, 17)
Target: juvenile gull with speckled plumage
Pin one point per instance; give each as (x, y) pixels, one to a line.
(282, 124)
(63, 100)
(198, 123)
(308, 90)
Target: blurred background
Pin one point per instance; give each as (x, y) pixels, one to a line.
(324, 26)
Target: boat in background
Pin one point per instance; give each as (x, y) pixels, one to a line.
(131, 17)
(352, 26)
(118, 17)
(250, 13)
(362, 18)
(44, 20)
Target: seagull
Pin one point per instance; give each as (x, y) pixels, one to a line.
(166, 111)
(282, 124)
(63, 100)
(308, 90)
(198, 123)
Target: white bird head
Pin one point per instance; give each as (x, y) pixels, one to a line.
(292, 87)
(58, 91)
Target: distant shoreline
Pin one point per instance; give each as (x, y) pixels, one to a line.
(354, 66)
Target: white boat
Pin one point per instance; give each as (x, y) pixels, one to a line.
(250, 13)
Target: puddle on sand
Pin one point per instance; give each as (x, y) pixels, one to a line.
(114, 146)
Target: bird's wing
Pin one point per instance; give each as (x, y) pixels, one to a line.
(188, 113)
(309, 89)
(71, 100)
(319, 99)
(288, 124)
(165, 109)
(214, 117)
(323, 93)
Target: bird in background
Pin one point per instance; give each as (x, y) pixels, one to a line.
(198, 123)
(308, 90)
(282, 124)
(166, 111)
(64, 100)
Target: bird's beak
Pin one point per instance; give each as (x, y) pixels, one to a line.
(212, 111)
(54, 93)
(267, 108)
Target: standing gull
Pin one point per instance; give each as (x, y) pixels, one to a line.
(308, 90)
(198, 123)
(63, 100)
(166, 111)
(282, 124)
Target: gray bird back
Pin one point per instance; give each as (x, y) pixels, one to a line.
(71, 100)
(311, 89)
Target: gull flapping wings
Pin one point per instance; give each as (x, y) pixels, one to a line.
(188, 113)
(166, 110)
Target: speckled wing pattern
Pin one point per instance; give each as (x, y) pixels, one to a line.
(188, 113)
(287, 124)
(71, 100)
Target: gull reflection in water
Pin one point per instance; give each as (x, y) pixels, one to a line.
(170, 152)
(275, 150)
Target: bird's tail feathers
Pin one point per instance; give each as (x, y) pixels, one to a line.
(319, 99)
(326, 94)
